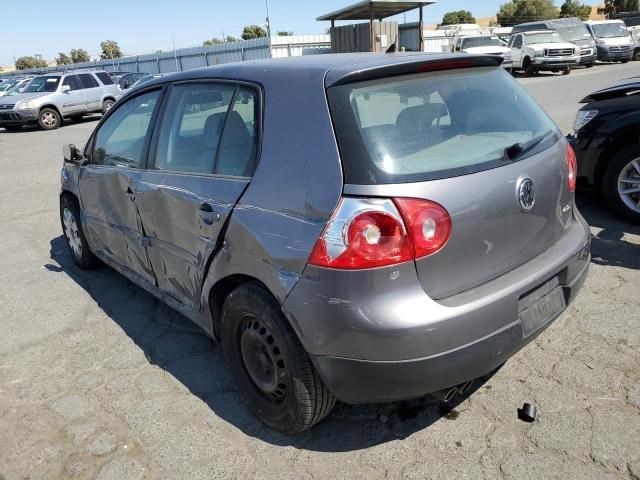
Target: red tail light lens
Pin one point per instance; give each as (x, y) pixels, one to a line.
(572, 167)
(429, 225)
(370, 233)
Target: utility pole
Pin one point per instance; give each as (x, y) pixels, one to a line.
(268, 22)
(175, 55)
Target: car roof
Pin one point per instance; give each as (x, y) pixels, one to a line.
(535, 32)
(331, 68)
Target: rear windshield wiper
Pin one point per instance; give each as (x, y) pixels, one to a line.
(518, 149)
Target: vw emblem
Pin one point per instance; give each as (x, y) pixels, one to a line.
(526, 194)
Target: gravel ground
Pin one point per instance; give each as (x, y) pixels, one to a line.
(99, 380)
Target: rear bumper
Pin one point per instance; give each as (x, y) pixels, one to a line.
(588, 152)
(387, 342)
(13, 117)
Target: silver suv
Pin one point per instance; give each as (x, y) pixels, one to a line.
(48, 99)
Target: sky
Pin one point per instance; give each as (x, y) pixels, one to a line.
(141, 26)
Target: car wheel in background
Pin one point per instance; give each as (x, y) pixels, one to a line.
(13, 128)
(636, 55)
(49, 119)
(566, 70)
(106, 106)
(74, 235)
(589, 65)
(268, 363)
(528, 68)
(621, 184)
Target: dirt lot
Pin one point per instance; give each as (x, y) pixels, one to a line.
(99, 380)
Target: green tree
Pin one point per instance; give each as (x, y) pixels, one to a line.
(63, 59)
(213, 41)
(23, 63)
(253, 31)
(284, 33)
(460, 16)
(572, 8)
(79, 55)
(110, 49)
(521, 11)
(618, 6)
(231, 39)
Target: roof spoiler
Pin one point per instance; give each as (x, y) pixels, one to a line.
(412, 65)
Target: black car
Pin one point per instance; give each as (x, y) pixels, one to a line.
(607, 145)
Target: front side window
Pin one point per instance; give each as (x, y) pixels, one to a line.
(208, 128)
(121, 138)
(72, 82)
(437, 125)
(518, 42)
(43, 84)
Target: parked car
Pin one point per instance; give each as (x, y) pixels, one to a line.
(482, 44)
(613, 40)
(542, 50)
(608, 147)
(6, 85)
(571, 30)
(383, 227)
(48, 99)
(16, 88)
(147, 78)
(129, 79)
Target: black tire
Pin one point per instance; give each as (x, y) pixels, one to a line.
(13, 128)
(529, 70)
(619, 163)
(82, 258)
(624, 61)
(636, 55)
(49, 119)
(106, 105)
(590, 65)
(566, 70)
(261, 347)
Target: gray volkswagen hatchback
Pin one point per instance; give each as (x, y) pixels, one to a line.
(362, 227)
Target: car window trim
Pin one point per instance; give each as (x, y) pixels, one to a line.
(88, 151)
(260, 121)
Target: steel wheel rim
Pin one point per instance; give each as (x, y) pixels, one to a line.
(263, 360)
(629, 185)
(107, 106)
(72, 232)
(49, 119)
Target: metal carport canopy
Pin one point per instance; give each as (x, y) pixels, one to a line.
(377, 9)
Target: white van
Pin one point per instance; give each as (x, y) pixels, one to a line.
(613, 40)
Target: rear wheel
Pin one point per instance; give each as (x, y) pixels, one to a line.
(74, 235)
(106, 106)
(621, 184)
(49, 119)
(636, 54)
(13, 128)
(269, 364)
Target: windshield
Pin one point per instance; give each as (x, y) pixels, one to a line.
(610, 30)
(543, 37)
(436, 125)
(570, 34)
(17, 88)
(4, 86)
(42, 84)
(480, 42)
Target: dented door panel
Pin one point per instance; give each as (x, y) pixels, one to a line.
(182, 216)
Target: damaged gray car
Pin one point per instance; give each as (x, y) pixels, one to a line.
(363, 227)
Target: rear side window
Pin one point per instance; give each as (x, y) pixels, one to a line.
(104, 78)
(87, 80)
(433, 125)
(121, 138)
(208, 128)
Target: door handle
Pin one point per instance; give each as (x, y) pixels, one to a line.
(132, 195)
(207, 214)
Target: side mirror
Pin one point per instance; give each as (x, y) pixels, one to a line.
(73, 154)
(65, 88)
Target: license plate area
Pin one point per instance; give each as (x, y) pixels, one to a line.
(539, 307)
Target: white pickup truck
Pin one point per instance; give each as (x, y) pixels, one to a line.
(542, 50)
(481, 44)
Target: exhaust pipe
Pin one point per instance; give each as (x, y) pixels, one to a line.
(463, 388)
(445, 395)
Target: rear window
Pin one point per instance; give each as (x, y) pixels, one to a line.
(104, 78)
(433, 125)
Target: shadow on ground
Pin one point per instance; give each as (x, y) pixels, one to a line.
(175, 344)
(34, 127)
(609, 246)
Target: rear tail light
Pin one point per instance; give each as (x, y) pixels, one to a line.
(369, 233)
(572, 168)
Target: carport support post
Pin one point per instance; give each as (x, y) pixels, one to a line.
(420, 31)
(372, 28)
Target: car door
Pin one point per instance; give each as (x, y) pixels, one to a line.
(93, 94)
(117, 155)
(516, 51)
(205, 152)
(73, 99)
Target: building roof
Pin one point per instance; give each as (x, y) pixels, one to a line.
(381, 9)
